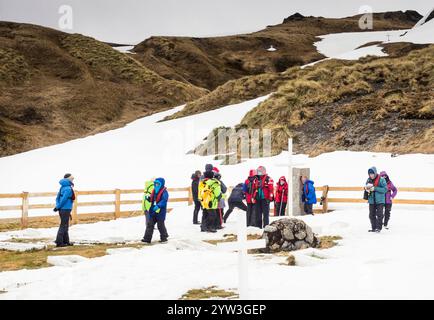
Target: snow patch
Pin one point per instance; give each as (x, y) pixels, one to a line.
(21, 247)
(65, 261)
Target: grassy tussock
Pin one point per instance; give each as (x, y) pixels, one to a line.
(107, 61)
(208, 293)
(13, 67)
(232, 238)
(377, 89)
(327, 242)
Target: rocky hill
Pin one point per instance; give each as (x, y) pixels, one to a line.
(376, 104)
(211, 62)
(55, 87)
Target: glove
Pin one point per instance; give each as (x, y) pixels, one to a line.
(372, 189)
(156, 209)
(55, 209)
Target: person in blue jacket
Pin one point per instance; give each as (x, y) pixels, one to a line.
(157, 212)
(308, 196)
(64, 203)
(376, 189)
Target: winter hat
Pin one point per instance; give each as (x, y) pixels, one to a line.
(261, 171)
(208, 174)
(252, 173)
(372, 170)
(66, 176)
(215, 170)
(209, 167)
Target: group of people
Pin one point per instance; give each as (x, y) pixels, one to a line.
(258, 191)
(209, 195)
(380, 192)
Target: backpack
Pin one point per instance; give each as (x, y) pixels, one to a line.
(206, 193)
(146, 203)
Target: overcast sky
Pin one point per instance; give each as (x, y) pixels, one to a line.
(131, 21)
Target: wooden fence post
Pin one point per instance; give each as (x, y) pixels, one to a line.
(25, 210)
(325, 200)
(117, 203)
(190, 197)
(74, 214)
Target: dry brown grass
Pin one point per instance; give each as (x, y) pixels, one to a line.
(208, 293)
(232, 92)
(290, 260)
(327, 242)
(35, 259)
(232, 238)
(13, 67)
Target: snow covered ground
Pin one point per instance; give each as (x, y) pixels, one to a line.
(346, 45)
(395, 264)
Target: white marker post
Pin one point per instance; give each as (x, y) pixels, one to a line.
(242, 245)
(290, 200)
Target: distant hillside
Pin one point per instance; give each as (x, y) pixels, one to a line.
(211, 62)
(55, 87)
(376, 104)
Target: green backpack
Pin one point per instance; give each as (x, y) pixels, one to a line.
(146, 202)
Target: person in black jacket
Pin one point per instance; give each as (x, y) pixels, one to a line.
(236, 201)
(195, 178)
(221, 205)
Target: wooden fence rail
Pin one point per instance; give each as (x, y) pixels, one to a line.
(117, 201)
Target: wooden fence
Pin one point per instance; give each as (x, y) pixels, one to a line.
(117, 201)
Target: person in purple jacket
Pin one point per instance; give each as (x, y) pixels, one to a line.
(390, 195)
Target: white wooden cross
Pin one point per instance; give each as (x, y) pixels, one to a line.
(290, 164)
(242, 245)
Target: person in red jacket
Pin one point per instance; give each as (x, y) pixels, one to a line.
(281, 197)
(264, 194)
(249, 191)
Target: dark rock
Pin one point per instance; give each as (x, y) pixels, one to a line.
(295, 17)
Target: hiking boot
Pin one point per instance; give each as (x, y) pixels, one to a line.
(371, 230)
(145, 241)
(61, 245)
(163, 241)
(378, 230)
(212, 231)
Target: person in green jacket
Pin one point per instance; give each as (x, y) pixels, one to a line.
(376, 188)
(146, 202)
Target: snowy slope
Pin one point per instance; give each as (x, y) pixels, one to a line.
(122, 157)
(344, 45)
(421, 34)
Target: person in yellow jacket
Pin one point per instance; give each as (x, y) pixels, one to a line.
(209, 196)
